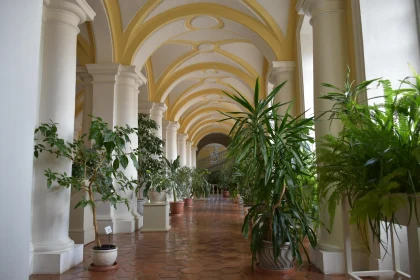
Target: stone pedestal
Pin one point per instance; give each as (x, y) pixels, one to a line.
(155, 217)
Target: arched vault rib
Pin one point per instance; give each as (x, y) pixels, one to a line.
(141, 32)
(207, 122)
(176, 115)
(198, 114)
(182, 103)
(208, 131)
(164, 87)
(226, 126)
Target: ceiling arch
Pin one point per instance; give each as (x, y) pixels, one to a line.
(192, 105)
(209, 126)
(200, 113)
(164, 87)
(202, 124)
(266, 38)
(211, 130)
(219, 138)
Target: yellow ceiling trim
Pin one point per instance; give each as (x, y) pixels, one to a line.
(203, 123)
(266, 18)
(198, 112)
(92, 41)
(114, 15)
(224, 125)
(290, 48)
(204, 133)
(163, 85)
(79, 103)
(181, 102)
(197, 43)
(241, 62)
(199, 83)
(150, 79)
(148, 28)
(175, 64)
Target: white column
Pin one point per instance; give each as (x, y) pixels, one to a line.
(87, 100)
(165, 124)
(188, 153)
(171, 141)
(115, 90)
(182, 138)
(194, 157)
(328, 20)
(144, 107)
(282, 71)
(156, 114)
(54, 251)
(18, 110)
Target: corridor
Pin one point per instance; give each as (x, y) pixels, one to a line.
(204, 243)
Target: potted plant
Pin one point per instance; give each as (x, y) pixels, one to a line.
(274, 147)
(200, 185)
(150, 166)
(156, 187)
(100, 175)
(374, 162)
(183, 182)
(176, 207)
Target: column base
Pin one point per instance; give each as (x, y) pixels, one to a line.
(58, 262)
(82, 236)
(156, 217)
(124, 226)
(138, 222)
(104, 223)
(335, 263)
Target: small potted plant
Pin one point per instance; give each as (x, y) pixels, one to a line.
(155, 188)
(176, 207)
(101, 167)
(199, 183)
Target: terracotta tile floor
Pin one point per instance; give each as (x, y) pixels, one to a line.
(204, 243)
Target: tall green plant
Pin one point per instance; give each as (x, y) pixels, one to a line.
(150, 149)
(376, 154)
(199, 183)
(274, 147)
(98, 170)
(171, 168)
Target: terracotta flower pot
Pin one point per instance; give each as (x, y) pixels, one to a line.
(177, 208)
(226, 194)
(188, 202)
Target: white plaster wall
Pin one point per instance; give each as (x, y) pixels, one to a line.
(20, 23)
(390, 40)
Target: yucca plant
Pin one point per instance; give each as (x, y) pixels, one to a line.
(274, 148)
(375, 155)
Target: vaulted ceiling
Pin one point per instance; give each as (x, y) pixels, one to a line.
(191, 51)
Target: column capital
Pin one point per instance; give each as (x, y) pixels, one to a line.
(145, 107)
(83, 74)
(182, 136)
(158, 108)
(313, 8)
(190, 143)
(129, 75)
(165, 124)
(195, 149)
(173, 126)
(70, 12)
(279, 68)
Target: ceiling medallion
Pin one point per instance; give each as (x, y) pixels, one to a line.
(203, 22)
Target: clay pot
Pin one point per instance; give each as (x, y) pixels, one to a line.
(156, 197)
(266, 257)
(177, 208)
(104, 256)
(188, 202)
(226, 194)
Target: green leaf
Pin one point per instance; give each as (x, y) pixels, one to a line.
(116, 164)
(124, 161)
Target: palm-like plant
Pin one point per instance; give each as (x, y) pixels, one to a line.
(376, 154)
(274, 147)
(171, 169)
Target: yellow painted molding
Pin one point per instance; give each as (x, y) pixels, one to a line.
(182, 95)
(112, 9)
(210, 9)
(85, 51)
(92, 41)
(79, 103)
(150, 79)
(266, 17)
(203, 123)
(241, 62)
(176, 107)
(175, 64)
(211, 130)
(170, 79)
(189, 26)
(198, 113)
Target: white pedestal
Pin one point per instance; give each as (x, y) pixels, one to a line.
(82, 236)
(155, 217)
(335, 263)
(57, 263)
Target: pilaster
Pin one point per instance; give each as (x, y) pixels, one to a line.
(284, 71)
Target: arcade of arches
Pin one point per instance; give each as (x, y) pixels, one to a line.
(64, 60)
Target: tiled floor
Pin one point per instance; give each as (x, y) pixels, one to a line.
(204, 243)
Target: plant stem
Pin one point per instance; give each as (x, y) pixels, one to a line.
(95, 223)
